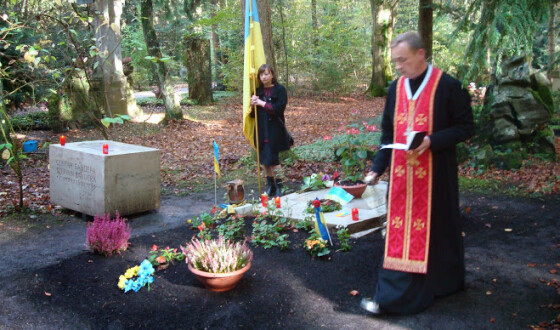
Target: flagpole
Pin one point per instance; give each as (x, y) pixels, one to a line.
(252, 65)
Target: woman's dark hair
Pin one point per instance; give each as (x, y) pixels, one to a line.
(265, 67)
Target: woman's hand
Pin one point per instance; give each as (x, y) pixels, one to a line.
(256, 101)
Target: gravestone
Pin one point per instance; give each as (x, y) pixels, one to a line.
(83, 179)
(372, 209)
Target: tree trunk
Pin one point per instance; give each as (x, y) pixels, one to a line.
(382, 19)
(286, 64)
(314, 24)
(266, 29)
(216, 46)
(551, 36)
(172, 106)
(199, 68)
(425, 25)
(113, 90)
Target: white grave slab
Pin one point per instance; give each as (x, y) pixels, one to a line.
(84, 179)
(372, 208)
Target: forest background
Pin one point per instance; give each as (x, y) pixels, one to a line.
(56, 57)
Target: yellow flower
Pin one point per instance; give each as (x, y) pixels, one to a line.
(132, 272)
(122, 281)
(189, 221)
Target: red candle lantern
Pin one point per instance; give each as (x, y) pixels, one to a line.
(355, 214)
(264, 200)
(105, 148)
(62, 140)
(277, 202)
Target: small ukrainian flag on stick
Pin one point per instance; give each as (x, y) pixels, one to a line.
(321, 225)
(216, 171)
(217, 159)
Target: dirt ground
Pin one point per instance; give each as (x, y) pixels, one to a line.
(48, 280)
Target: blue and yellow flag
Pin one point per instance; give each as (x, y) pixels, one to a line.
(320, 224)
(254, 58)
(217, 159)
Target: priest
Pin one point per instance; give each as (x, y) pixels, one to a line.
(424, 254)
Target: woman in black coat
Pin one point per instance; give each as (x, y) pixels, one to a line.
(271, 99)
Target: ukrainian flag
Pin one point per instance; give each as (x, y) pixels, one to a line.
(217, 159)
(321, 225)
(254, 58)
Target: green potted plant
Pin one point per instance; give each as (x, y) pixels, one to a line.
(218, 263)
(352, 153)
(315, 181)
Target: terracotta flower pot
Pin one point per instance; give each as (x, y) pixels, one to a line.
(219, 282)
(355, 189)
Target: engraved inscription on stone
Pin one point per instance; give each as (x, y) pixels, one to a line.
(76, 175)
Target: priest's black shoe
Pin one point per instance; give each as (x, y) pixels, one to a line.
(371, 306)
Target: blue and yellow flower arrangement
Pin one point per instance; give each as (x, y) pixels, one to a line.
(137, 277)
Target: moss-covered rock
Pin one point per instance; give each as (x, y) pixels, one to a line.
(483, 155)
(510, 156)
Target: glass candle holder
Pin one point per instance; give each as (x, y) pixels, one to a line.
(264, 200)
(105, 148)
(62, 140)
(355, 216)
(277, 202)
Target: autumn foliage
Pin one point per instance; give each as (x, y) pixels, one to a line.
(186, 149)
(107, 236)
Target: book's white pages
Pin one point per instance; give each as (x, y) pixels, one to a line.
(413, 140)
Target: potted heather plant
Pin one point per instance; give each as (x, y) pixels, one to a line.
(218, 263)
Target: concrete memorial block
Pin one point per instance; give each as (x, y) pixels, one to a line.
(127, 179)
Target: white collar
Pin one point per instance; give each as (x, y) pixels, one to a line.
(419, 90)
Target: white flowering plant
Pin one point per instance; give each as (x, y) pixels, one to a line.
(217, 255)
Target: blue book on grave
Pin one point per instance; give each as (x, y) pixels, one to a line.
(339, 195)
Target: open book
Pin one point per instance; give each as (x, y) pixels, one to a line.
(413, 140)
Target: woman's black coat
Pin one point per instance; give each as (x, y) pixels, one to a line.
(271, 123)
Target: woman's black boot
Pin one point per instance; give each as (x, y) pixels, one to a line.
(279, 186)
(270, 186)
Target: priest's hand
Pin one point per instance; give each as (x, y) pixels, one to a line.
(425, 145)
(371, 178)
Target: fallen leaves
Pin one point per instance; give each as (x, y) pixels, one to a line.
(533, 177)
(187, 148)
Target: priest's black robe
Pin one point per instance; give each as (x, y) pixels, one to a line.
(407, 293)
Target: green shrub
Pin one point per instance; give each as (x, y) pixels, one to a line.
(31, 121)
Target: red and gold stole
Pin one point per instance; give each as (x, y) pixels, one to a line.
(410, 191)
